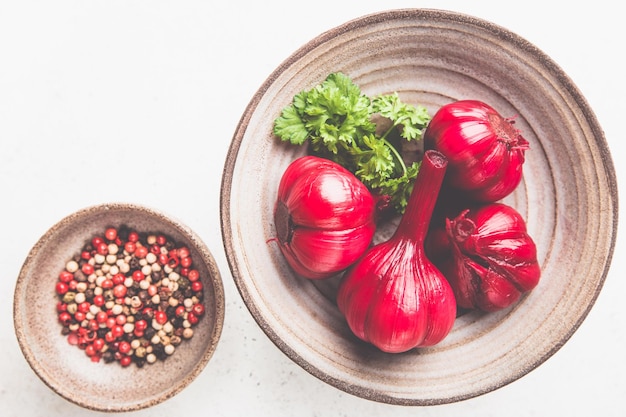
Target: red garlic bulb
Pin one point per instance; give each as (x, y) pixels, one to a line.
(394, 297)
(490, 259)
(324, 217)
(485, 151)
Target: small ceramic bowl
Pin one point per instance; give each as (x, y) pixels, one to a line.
(66, 369)
(568, 197)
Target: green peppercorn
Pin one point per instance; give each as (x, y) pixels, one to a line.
(140, 352)
(175, 340)
(68, 297)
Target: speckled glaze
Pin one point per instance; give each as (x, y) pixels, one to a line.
(66, 369)
(568, 196)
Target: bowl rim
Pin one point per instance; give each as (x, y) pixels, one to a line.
(207, 258)
(410, 14)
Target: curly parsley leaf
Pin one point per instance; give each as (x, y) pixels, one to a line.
(292, 128)
(336, 118)
(333, 115)
(412, 119)
(374, 162)
(399, 188)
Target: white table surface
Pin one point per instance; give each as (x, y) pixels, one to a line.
(151, 91)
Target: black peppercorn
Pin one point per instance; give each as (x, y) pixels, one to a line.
(177, 322)
(79, 276)
(149, 333)
(134, 264)
(140, 362)
(159, 351)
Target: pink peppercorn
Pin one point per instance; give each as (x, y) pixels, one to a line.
(72, 338)
(90, 336)
(155, 249)
(102, 248)
(98, 300)
(120, 320)
(65, 318)
(61, 288)
(163, 258)
(87, 269)
(119, 291)
(173, 260)
(110, 322)
(141, 325)
(90, 350)
(66, 276)
(82, 343)
(152, 290)
(138, 276)
(130, 247)
(183, 253)
(110, 233)
(125, 360)
(160, 316)
(141, 252)
(118, 279)
(148, 312)
(96, 241)
(101, 317)
(185, 262)
(93, 325)
(124, 347)
(192, 318)
(193, 275)
(117, 331)
(196, 286)
(198, 309)
(98, 344)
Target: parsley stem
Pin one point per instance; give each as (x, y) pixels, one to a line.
(397, 155)
(393, 149)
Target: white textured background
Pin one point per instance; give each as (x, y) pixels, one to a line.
(137, 101)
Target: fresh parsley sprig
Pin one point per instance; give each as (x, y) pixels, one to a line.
(336, 118)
